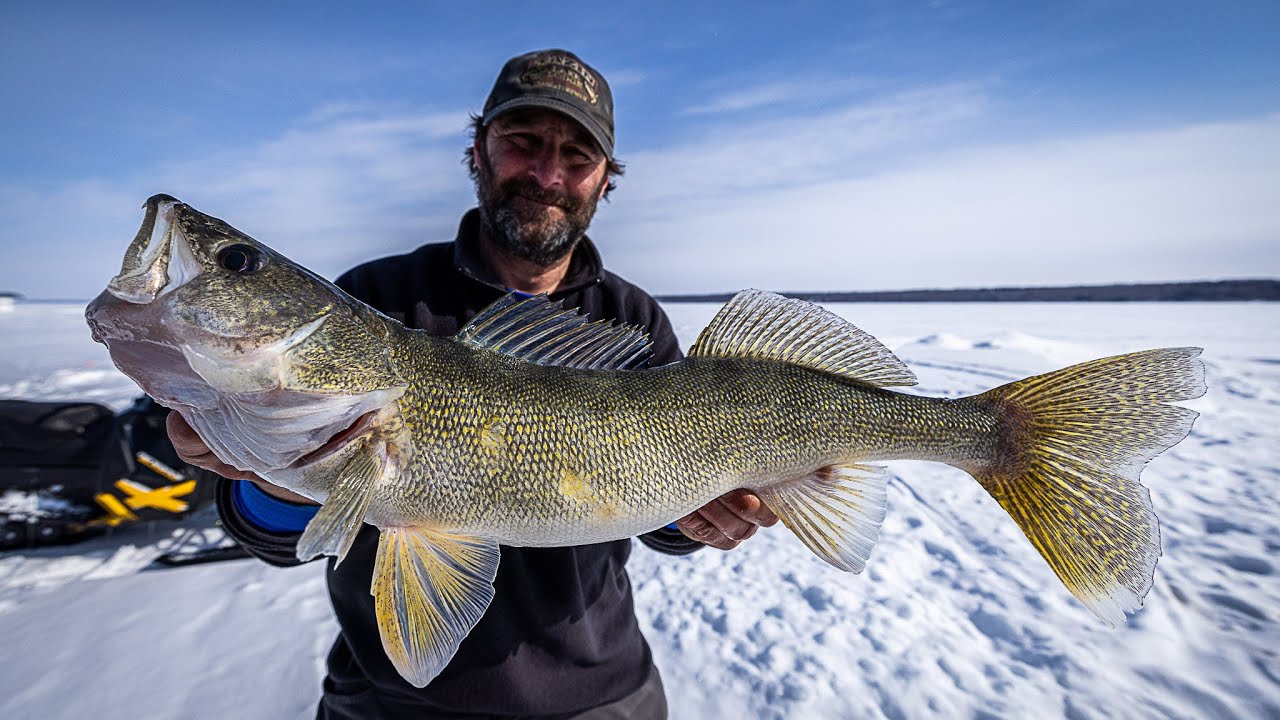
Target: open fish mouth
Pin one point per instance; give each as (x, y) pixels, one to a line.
(159, 259)
(338, 441)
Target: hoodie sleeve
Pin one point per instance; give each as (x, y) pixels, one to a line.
(272, 547)
(670, 541)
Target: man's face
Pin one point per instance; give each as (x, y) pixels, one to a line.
(539, 176)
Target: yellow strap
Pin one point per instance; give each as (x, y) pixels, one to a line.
(149, 461)
(162, 498)
(116, 512)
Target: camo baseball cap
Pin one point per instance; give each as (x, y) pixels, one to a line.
(557, 80)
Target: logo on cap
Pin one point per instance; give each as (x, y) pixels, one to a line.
(563, 73)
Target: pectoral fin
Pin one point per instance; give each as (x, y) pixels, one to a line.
(336, 525)
(430, 587)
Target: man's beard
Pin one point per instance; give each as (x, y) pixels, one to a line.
(528, 232)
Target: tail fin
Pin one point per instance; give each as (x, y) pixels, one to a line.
(1067, 472)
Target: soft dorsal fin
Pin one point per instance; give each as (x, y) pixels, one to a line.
(767, 326)
(542, 332)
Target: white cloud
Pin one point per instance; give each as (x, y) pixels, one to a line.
(804, 91)
(625, 77)
(754, 97)
(339, 188)
(873, 195)
(1191, 202)
(730, 158)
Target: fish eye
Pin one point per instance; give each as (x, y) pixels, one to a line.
(240, 258)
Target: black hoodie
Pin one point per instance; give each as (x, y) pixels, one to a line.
(561, 634)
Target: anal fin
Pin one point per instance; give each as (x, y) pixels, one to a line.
(430, 587)
(338, 521)
(836, 511)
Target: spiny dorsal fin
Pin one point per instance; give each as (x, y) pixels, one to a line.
(542, 332)
(767, 326)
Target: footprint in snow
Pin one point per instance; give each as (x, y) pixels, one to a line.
(1245, 563)
(941, 553)
(1233, 603)
(1217, 526)
(993, 626)
(817, 598)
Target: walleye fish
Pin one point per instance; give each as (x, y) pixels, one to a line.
(533, 427)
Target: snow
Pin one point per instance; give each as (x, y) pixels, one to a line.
(30, 505)
(955, 616)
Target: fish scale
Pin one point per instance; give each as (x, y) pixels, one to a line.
(727, 422)
(533, 426)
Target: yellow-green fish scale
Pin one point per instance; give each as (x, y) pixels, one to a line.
(543, 455)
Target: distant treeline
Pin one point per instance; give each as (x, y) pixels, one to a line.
(1216, 291)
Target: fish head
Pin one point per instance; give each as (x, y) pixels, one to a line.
(194, 281)
(265, 359)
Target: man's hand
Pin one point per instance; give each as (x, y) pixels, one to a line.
(193, 451)
(726, 521)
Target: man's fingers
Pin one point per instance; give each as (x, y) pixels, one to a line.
(726, 521)
(694, 527)
(193, 451)
(181, 435)
(749, 507)
(697, 527)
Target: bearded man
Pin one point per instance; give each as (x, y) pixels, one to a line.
(560, 639)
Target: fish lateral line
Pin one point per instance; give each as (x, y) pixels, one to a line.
(536, 426)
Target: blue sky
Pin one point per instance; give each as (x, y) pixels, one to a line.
(820, 146)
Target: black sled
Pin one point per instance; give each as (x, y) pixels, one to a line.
(70, 471)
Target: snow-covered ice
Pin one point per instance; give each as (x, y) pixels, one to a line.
(955, 617)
